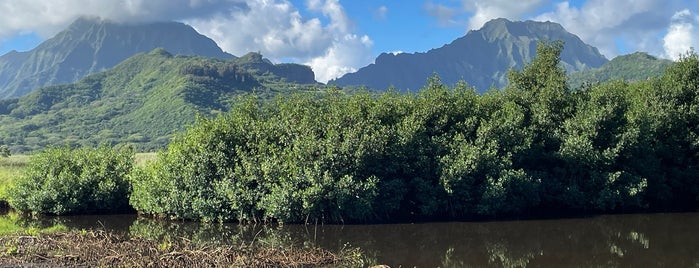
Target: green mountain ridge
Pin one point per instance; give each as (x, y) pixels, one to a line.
(91, 45)
(631, 67)
(481, 58)
(142, 101)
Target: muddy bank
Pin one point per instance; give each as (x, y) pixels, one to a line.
(104, 249)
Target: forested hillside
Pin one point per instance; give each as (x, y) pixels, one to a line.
(142, 101)
(632, 67)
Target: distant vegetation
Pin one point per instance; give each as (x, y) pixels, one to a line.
(638, 66)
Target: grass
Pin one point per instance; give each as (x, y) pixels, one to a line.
(10, 168)
(143, 158)
(10, 224)
(13, 166)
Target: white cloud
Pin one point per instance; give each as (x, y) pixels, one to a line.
(278, 31)
(275, 28)
(344, 56)
(347, 52)
(444, 14)
(486, 10)
(600, 22)
(46, 18)
(380, 13)
(681, 35)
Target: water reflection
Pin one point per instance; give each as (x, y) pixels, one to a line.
(620, 240)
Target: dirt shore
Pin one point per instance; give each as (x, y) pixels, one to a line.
(103, 249)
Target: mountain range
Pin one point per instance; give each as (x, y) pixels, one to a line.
(481, 58)
(140, 84)
(91, 45)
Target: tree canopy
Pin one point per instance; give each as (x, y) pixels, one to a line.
(536, 147)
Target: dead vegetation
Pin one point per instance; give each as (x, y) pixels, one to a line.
(104, 249)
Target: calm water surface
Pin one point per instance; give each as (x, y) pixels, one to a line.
(638, 240)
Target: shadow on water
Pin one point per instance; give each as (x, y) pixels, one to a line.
(614, 240)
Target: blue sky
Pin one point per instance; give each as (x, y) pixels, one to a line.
(335, 36)
(410, 28)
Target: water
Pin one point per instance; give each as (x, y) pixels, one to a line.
(638, 240)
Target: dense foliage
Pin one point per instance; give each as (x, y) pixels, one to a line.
(444, 152)
(68, 181)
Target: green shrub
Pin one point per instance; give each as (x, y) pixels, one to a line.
(71, 181)
(4, 151)
(441, 153)
(263, 163)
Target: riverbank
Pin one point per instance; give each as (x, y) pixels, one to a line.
(105, 249)
(629, 240)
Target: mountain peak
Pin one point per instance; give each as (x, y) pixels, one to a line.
(496, 25)
(86, 21)
(503, 28)
(290, 72)
(482, 57)
(160, 52)
(253, 57)
(92, 44)
(641, 55)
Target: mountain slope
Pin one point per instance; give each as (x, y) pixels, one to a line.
(142, 101)
(91, 45)
(481, 58)
(288, 72)
(632, 67)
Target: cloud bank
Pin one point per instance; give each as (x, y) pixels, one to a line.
(682, 35)
(48, 17)
(279, 31)
(605, 23)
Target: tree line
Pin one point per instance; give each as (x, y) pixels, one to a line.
(444, 152)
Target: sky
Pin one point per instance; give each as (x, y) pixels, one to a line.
(335, 37)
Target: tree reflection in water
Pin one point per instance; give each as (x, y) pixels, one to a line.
(615, 240)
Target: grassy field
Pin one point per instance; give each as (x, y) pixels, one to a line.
(12, 167)
(143, 158)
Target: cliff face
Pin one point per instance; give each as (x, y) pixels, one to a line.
(481, 58)
(289, 72)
